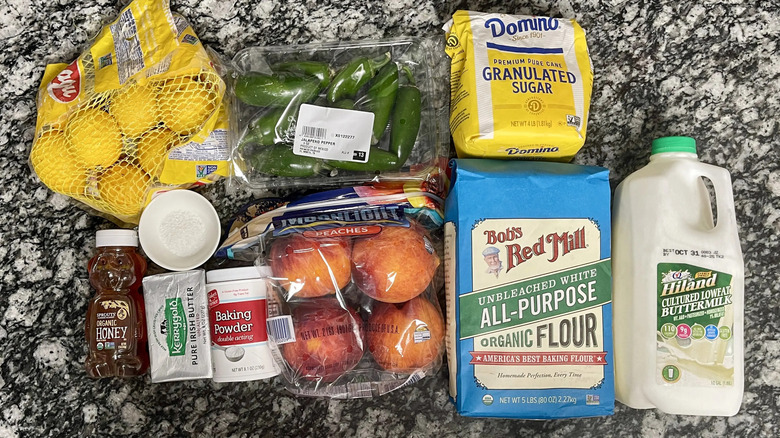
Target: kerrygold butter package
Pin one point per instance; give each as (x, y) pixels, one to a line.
(528, 282)
(177, 322)
(520, 86)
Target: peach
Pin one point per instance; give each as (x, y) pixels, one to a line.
(311, 267)
(395, 265)
(405, 337)
(328, 340)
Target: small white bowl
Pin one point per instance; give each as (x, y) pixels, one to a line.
(179, 230)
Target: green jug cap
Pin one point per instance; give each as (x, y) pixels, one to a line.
(674, 144)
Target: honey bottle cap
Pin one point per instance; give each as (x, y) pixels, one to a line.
(116, 238)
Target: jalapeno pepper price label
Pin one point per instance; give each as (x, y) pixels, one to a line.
(333, 133)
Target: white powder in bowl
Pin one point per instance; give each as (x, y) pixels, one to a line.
(234, 353)
(182, 233)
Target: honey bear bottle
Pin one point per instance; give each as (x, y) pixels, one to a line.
(115, 326)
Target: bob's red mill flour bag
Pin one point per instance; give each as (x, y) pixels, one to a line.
(529, 296)
(520, 86)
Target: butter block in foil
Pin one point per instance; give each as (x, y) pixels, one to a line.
(178, 326)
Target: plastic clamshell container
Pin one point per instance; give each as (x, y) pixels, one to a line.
(414, 53)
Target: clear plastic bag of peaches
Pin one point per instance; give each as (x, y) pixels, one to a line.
(354, 312)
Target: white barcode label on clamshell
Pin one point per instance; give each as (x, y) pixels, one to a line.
(333, 133)
(280, 329)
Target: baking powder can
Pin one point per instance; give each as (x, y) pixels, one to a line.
(237, 309)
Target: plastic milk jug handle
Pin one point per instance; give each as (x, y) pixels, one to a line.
(724, 197)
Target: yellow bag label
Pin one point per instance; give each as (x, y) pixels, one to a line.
(205, 157)
(140, 111)
(520, 86)
(202, 158)
(142, 36)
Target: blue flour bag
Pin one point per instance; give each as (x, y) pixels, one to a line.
(529, 296)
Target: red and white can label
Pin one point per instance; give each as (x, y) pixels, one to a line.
(213, 298)
(239, 323)
(239, 337)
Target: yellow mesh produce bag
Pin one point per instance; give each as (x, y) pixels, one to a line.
(141, 111)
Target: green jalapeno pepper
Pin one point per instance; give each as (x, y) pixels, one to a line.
(354, 75)
(279, 160)
(344, 104)
(405, 124)
(260, 89)
(379, 99)
(271, 127)
(404, 127)
(320, 70)
(378, 160)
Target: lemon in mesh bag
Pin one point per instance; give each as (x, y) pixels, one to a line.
(152, 149)
(186, 102)
(122, 189)
(93, 137)
(135, 109)
(56, 166)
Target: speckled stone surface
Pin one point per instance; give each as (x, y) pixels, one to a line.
(706, 69)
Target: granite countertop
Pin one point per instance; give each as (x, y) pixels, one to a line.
(706, 69)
